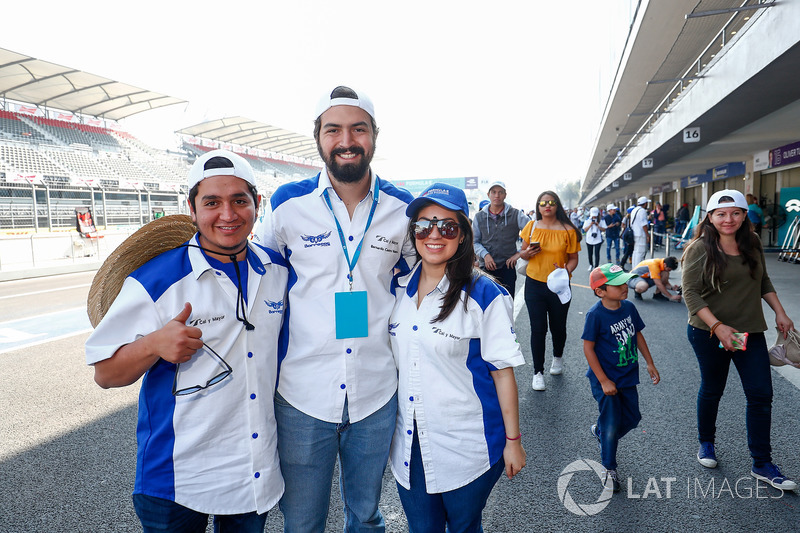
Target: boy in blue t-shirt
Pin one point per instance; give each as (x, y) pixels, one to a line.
(611, 336)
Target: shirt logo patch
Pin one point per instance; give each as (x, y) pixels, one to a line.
(274, 307)
(195, 322)
(440, 331)
(386, 244)
(392, 328)
(316, 240)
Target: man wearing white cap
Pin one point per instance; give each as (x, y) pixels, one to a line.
(344, 232)
(201, 323)
(613, 224)
(641, 230)
(495, 230)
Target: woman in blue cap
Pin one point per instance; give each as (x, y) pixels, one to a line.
(454, 344)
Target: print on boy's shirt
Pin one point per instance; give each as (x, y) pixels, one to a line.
(625, 333)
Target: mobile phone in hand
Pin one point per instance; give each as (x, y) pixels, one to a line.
(739, 341)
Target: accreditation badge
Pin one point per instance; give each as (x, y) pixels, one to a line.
(351, 314)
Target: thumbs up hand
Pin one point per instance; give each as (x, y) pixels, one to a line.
(177, 342)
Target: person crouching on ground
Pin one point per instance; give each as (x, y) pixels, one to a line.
(453, 341)
(611, 336)
(655, 273)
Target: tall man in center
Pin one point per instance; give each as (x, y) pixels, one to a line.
(343, 233)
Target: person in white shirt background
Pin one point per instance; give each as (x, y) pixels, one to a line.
(641, 230)
(593, 227)
(453, 340)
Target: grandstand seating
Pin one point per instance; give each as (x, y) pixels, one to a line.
(11, 127)
(127, 169)
(26, 160)
(267, 165)
(59, 151)
(60, 130)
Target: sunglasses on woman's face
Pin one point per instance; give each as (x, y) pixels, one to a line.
(447, 228)
(551, 203)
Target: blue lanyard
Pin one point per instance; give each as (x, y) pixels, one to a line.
(352, 264)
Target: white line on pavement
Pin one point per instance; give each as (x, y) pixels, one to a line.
(22, 295)
(51, 339)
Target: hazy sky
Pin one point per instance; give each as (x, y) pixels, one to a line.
(499, 90)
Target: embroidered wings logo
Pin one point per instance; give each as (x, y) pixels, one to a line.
(316, 240)
(392, 328)
(274, 307)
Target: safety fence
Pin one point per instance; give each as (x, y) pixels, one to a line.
(41, 207)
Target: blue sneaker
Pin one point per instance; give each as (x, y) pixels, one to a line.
(596, 434)
(611, 481)
(770, 473)
(706, 455)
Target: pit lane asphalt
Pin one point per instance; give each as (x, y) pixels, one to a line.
(67, 447)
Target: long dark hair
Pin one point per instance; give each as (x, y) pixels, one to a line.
(707, 236)
(561, 216)
(460, 269)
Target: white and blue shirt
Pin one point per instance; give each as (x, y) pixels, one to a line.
(214, 451)
(445, 382)
(317, 370)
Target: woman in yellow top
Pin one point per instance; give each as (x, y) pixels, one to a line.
(555, 243)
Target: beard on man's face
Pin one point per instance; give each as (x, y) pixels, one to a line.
(348, 172)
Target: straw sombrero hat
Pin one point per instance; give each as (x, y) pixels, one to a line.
(150, 240)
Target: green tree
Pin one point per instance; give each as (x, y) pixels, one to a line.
(569, 192)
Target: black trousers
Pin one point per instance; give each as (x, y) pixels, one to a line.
(543, 307)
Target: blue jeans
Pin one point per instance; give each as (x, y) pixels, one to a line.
(308, 449)
(543, 304)
(455, 511)
(660, 229)
(618, 415)
(755, 375)
(159, 515)
(612, 242)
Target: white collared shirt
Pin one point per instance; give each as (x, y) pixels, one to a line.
(318, 370)
(445, 382)
(214, 451)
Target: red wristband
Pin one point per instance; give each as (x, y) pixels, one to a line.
(515, 438)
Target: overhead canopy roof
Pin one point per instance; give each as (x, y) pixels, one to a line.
(246, 132)
(30, 80)
(669, 45)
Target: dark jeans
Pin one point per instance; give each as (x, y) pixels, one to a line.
(626, 255)
(543, 304)
(507, 277)
(754, 373)
(660, 229)
(593, 251)
(455, 511)
(159, 515)
(618, 415)
(612, 242)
